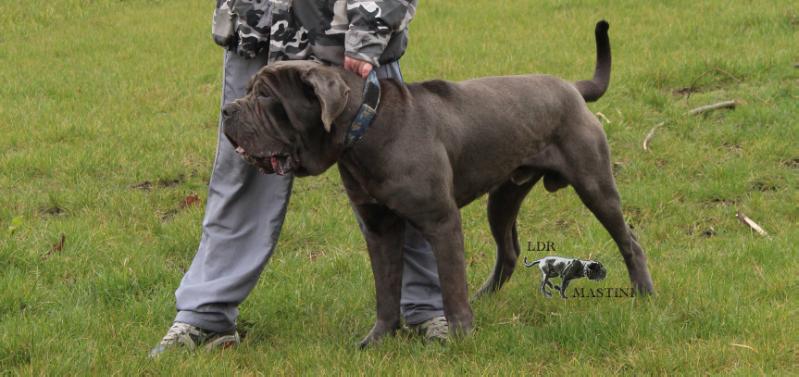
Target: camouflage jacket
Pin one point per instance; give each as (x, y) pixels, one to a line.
(253, 21)
(375, 31)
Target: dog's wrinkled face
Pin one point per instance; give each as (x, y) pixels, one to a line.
(595, 271)
(244, 123)
(283, 124)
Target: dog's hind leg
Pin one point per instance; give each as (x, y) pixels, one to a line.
(503, 208)
(544, 283)
(589, 158)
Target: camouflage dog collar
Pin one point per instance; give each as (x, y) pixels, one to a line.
(366, 113)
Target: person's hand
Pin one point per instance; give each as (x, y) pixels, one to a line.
(357, 66)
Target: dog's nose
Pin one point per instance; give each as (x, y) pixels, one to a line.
(228, 110)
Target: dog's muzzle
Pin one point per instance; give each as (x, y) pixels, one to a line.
(276, 163)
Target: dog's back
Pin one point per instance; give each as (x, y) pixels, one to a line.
(493, 128)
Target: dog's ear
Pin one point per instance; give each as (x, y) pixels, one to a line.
(331, 90)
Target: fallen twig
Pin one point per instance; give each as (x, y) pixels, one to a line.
(603, 117)
(743, 346)
(750, 223)
(650, 134)
(721, 105)
(730, 75)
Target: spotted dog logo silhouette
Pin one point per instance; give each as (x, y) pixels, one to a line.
(567, 269)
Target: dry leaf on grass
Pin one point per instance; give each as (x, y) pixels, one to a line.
(191, 200)
(57, 247)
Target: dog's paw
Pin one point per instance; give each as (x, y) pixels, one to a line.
(368, 341)
(377, 333)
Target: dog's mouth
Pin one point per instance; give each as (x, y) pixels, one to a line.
(275, 163)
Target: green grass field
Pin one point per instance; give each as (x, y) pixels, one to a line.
(100, 98)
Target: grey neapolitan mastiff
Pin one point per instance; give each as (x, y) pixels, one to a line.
(434, 147)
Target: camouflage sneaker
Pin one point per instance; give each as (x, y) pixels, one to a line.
(191, 337)
(435, 328)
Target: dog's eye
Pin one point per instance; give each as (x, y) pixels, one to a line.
(273, 108)
(278, 111)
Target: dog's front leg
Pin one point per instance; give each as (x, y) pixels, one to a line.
(383, 231)
(444, 233)
(562, 287)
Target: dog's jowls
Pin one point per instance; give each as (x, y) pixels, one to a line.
(434, 147)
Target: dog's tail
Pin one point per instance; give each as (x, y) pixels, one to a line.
(531, 264)
(592, 89)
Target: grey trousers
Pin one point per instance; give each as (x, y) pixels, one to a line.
(242, 221)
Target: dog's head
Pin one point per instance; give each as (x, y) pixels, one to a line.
(283, 125)
(595, 270)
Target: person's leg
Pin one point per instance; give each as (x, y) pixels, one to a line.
(421, 291)
(243, 217)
